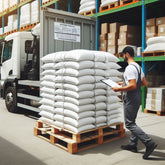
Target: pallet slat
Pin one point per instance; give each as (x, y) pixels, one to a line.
(44, 3)
(87, 13)
(159, 113)
(109, 6)
(74, 143)
(125, 2)
(154, 53)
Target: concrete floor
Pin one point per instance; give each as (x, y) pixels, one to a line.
(18, 145)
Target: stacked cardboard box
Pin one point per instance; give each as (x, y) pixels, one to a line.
(160, 22)
(113, 37)
(129, 36)
(155, 99)
(151, 28)
(155, 80)
(103, 37)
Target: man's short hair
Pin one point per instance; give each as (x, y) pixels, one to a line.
(129, 50)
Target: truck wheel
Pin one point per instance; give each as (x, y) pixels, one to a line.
(10, 99)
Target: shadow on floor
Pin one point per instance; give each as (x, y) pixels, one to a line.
(113, 147)
(11, 154)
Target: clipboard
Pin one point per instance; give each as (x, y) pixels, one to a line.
(110, 83)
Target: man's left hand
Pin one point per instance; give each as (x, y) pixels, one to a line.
(116, 89)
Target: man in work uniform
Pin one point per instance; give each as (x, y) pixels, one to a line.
(131, 87)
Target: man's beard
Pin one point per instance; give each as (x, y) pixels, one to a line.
(125, 59)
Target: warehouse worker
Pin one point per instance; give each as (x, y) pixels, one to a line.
(131, 87)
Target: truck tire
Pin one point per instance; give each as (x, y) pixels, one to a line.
(10, 99)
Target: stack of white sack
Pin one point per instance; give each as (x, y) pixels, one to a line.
(11, 20)
(155, 44)
(35, 11)
(1, 6)
(25, 18)
(6, 5)
(80, 101)
(1, 31)
(105, 2)
(113, 101)
(13, 2)
(87, 5)
(6, 29)
(47, 90)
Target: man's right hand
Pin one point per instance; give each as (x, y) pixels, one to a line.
(120, 83)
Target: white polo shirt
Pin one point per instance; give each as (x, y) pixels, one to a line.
(131, 72)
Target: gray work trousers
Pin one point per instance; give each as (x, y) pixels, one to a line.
(130, 114)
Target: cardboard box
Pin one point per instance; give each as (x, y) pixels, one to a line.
(151, 22)
(112, 42)
(103, 36)
(114, 27)
(112, 49)
(125, 35)
(161, 30)
(129, 28)
(103, 49)
(104, 28)
(160, 21)
(151, 30)
(155, 99)
(128, 41)
(103, 43)
(113, 36)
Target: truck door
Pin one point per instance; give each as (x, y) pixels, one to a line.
(7, 62)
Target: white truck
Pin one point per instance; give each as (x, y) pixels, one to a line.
(20, 54)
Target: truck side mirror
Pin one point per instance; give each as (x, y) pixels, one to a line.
(28, 47)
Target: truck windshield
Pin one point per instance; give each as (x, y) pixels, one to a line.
(7, 50)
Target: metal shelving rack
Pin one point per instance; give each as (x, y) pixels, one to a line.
(143, 5)
(16, 10)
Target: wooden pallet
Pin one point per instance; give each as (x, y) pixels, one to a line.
(47, 2)
(10, 8)
(89, 12)
(125, 2)
(28, 26)
(74, 143)
(110, 6)
(22, 1)
(12, 31)
(159, 113)
(154, 53)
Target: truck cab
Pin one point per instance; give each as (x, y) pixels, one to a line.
(16, 61)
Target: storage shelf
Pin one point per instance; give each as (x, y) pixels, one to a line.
(151, 1)
(50, 3)
(154, 58)
(137, 59)
(118, 9)
(15, 8)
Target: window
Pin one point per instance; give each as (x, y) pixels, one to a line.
(7, 50)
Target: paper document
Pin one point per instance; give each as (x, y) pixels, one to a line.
(110, 83)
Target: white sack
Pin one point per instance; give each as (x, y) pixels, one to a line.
(80, 122)
(74, 101)
(76, 88)
(75, 65)
(74, 107)
(80, 129)
(76, 95)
